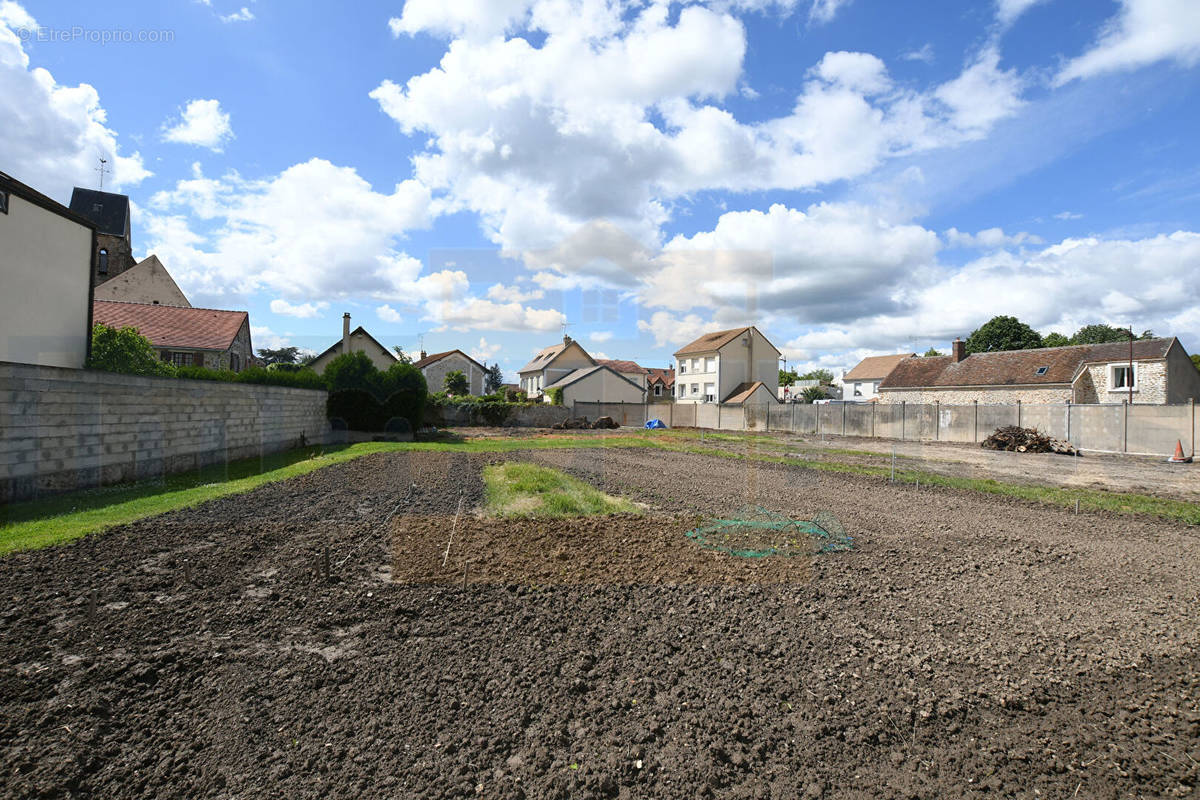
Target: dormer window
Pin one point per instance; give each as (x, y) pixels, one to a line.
(103, 261)
(1042, 370)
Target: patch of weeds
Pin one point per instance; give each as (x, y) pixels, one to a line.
(517, 489)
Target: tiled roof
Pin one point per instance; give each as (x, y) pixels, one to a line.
(172, 326)
(627, 367)
(436, 357)
(742, 392)
(1017, 367)
(109, 212)
(711, 341)
(547, 355)
(660, 375)
(875, 367)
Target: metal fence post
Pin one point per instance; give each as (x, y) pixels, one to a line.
(1068, 420)
(903, 417)
(843, 419)
(1018, 412)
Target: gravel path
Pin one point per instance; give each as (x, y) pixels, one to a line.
(969, 646)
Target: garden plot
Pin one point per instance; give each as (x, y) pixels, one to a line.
(968, 645)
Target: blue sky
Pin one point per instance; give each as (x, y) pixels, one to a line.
(854, 176)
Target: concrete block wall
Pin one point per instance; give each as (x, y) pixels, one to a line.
(64, 429)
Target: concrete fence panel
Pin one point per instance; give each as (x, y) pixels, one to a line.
(993, 417)
(1153, 430)
(1096, 427)
(956, 423)
(779, 416)
(860, 419)
(1048, 419)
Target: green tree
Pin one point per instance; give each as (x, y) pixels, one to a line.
(403, 392)
(824, 376)
(493, 379)
(1002, 333)
(125, 350)
(1196, 360)
(1055, 340)
(788, 377)
(352, 371)
(812, 393)
(402, 356)
(1099, 334)
(931, 352)
(281, 355)
(456, 383)
(556, 396)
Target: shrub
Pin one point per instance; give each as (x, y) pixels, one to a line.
(370, 400)
(205, 374)
(456, 382)
(402, 391)
(556, 396)
(300, 378)
(125, 350)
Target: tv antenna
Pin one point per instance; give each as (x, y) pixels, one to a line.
(103, 170)
(566, 325)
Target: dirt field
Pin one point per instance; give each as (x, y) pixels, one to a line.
(968, 646)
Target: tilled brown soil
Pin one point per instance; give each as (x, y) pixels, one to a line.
(968, 646)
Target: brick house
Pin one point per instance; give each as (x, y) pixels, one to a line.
(185, 337)
(1161, 373)
(436, 367)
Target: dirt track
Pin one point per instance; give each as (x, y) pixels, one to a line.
(968, 646)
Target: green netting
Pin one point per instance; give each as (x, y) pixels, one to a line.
(756, 532)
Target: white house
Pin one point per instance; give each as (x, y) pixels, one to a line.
(861, 384)
(598, 384)
(46, 260)
(436, 367)
(724, 366)
(552, 364)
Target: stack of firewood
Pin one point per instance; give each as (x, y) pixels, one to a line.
(1026, 440)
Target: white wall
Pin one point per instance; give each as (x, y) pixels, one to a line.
(699, 371)
(45, 275)
(602, 386)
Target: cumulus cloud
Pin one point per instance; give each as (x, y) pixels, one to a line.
(201, 123)
(54, 135)
(669, 329)
(1143, 32)
(1007, 11)
(241, 15)
(614, 114)
(1066, 215)
(302, 310)
(477, 313)
(825, 10)
(600, 337)
(313, 230)
(990, 238)
(388, 314)
(485, 350)
(513, 294)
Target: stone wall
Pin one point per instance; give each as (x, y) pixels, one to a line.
(1151, 383)
(65, 429)
(994, 396)
(537, 415)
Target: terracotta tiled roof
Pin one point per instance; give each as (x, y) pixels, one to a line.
(742, 392)
(875, 368)
(711, 341)
(660, 375)
(436, 357)
(172, 326)
(1017, 367)
(626, 367)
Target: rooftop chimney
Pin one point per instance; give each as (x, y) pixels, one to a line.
(958, 348)
(346, 333)
(423, 356)
(566, 339)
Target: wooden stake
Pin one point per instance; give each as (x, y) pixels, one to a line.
(1077, 505)
(446, 555)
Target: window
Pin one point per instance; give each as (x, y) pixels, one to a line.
(658, 390)
(1042, 370)
(710, 392)
(103, 261)
(181, 359)
(695, 388)
(710, 365)
(3, 202)
(695, 365)
(682, 366)
(233, 362)
(875, 387)
(682, 389)
(1122, 377)
(858, 390)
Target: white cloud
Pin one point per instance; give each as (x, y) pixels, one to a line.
(825, 10)
(1065, 215)
(669, 329)
(484, 351)
(53, 134)
(265, 338)
(600, 337)
(990, 238)
(982, 95)
(474, 313)
(201, 123)
(242, 15)
(923, 54)
(1007, 11)
(314, 231)
(513, 294)
(477, 18)
(1143, 32)
(302, 310)
(388, 314)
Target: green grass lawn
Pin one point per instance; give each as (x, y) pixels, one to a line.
(517, 489)
(64, 517)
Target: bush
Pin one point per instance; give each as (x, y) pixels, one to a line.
(300, 378)
(126, 351)
(556, 396)
(456, 382)
(205, 374)
(370, 400)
